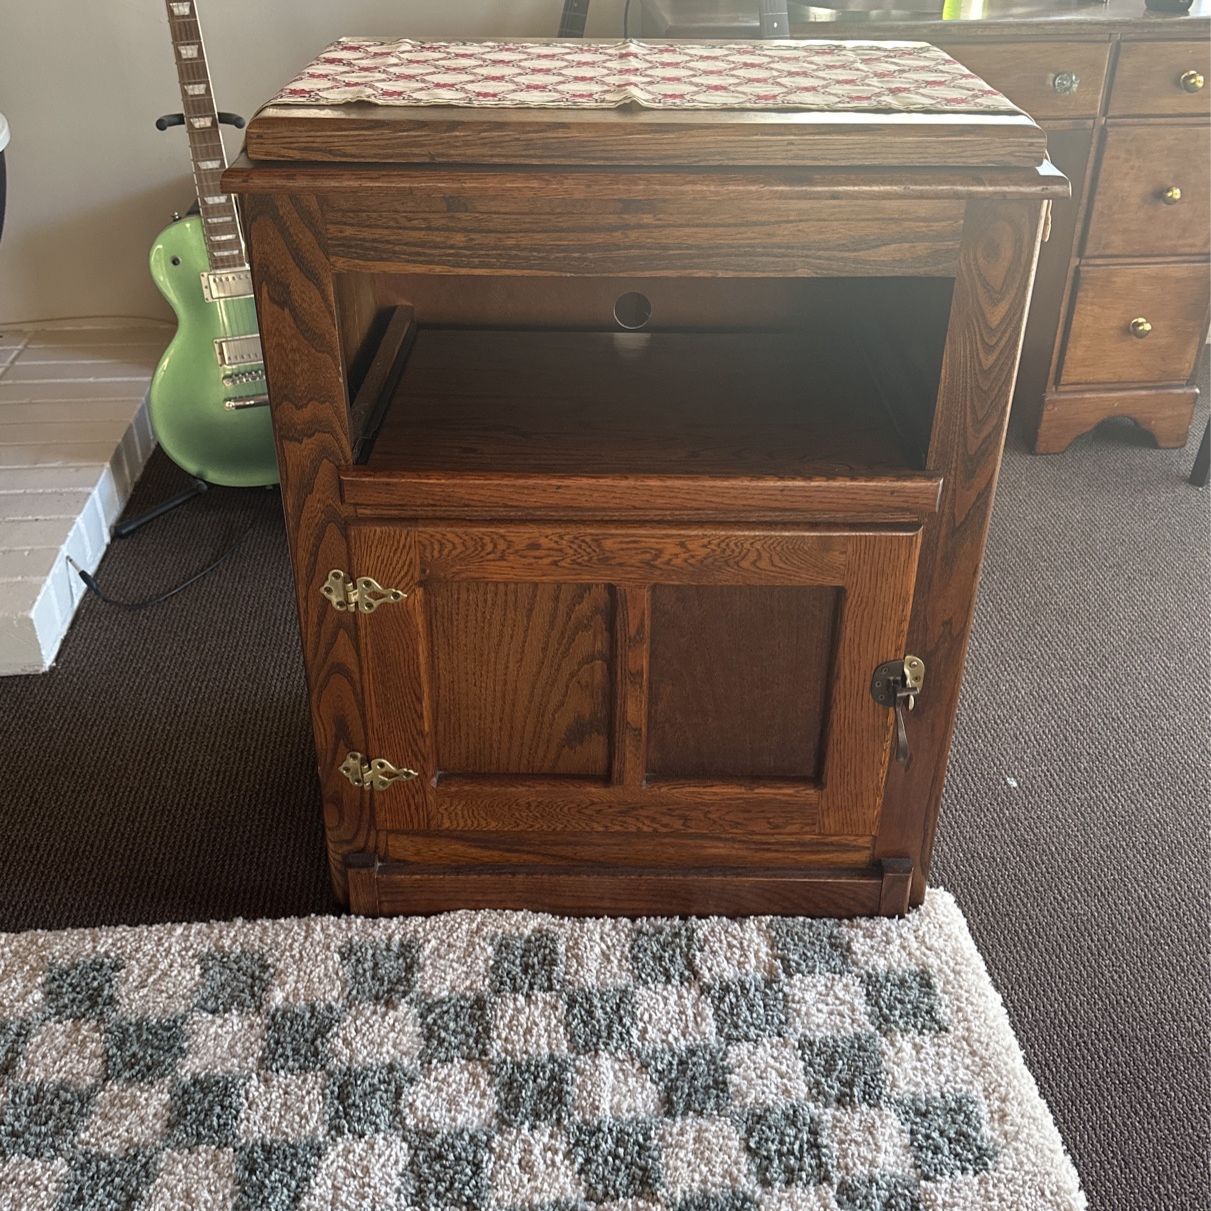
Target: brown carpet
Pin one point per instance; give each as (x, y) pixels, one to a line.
(163, 771)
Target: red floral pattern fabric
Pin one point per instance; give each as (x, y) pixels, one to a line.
(774, 75)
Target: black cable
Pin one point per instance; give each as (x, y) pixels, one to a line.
(92, 586)
(626, 12)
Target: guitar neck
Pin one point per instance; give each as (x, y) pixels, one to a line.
(220, 223)
(572, 20)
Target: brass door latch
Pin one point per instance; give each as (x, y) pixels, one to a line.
(376, 774)
(895, 685)
(363, 594)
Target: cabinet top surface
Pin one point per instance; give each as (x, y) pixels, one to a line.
(931, 20)
(568, 102)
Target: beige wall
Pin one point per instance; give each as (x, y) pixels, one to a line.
(91, 181)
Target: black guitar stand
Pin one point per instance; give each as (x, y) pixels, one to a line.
(124, 529)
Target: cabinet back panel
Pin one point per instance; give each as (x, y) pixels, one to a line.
(521, 677)
(739, 679)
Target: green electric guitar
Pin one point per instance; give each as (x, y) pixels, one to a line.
(208, 397)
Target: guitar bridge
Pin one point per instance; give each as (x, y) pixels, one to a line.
(238, 350)
(227, 284)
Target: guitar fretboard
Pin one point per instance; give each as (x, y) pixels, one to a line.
(220, 223)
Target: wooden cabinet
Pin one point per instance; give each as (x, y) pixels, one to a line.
(1123, 95)
(627, 506)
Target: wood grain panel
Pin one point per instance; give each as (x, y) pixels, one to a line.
(684, 850)
(632, 630)
(1166, 413)
(571, 222)
(879, 587)
(824, 182)
(521, 677)
(554, 805)
(1147, 79)
(1026, 73)
(296, 308)
(992, 290)
(396, 661)
(370, 134)
(739, 680)
(517, 495)
(580, 553)
(1139, 163)
(1101, 347)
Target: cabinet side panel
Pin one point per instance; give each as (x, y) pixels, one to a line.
(522, 677)
(979, 370)
(739, 679)
(296, 309)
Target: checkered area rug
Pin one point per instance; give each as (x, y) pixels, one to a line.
(515, 1061)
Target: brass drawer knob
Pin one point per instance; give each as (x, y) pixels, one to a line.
(1191, 81)
(1140, 327)
(1171, 196)
(1065, 83)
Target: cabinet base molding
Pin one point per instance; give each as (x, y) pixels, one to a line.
(1165, 413)
(386, 888)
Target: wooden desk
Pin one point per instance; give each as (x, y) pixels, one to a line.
(628, 590)
(1116, 88)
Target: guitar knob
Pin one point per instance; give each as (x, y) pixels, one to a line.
(1191, 81)
(1172, 195)
(1140, 327)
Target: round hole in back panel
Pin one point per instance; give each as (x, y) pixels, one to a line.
(632, 310)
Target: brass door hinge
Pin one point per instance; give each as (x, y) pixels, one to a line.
(895, 685)
(363, 594)
(376, 774)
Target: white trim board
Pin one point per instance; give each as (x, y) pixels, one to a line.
(74, 437)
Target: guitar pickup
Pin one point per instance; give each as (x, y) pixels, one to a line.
(238, 351)
(227, 284)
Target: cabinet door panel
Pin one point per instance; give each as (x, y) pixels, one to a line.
(521, 677)
(739, 678)
(634, 681)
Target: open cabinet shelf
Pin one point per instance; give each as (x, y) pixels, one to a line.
(771, 421)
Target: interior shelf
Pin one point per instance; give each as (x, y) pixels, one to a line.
(770, 413)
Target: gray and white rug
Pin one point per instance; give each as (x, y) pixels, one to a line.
(493, 1061)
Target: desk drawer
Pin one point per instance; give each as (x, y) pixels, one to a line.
(1152, 192)
(1161, 78)
(1102, 346)
(1046, 79)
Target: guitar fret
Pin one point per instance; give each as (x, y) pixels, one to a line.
(189, 51)
(181, 8)
(208, 165)
(196, 90)
(202, 123)
(217, 199)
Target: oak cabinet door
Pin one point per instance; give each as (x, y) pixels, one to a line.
(642, 682)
